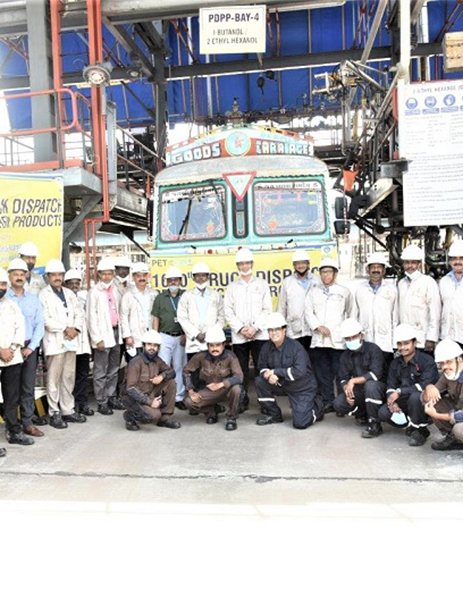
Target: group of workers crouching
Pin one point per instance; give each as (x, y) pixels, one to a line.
(326, 349)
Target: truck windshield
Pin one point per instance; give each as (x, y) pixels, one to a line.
(289, 207)
(194, 213)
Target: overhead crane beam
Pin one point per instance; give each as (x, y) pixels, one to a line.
(298, 61)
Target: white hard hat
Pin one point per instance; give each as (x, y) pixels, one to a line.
(300, 255)
(274, 320)
(151, 337)
(173, 273)
(350, 327)
(140, 267)
(215, 334)
(456, 249)
(29, 249)
(446, 350)
(55, 266)
(200, 267)
(404, 333)
(377, 258)
(412, 252)
(244, 255)
(122, 261)
(73, 274)
(328, 262)
(105, 264)
(18, 264)
(3, 276)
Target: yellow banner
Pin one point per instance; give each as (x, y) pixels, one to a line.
(31, 210)
(271, 265)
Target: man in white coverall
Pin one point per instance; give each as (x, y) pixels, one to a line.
(327, 306)
(136, 306)
(291, 300)
(451, 292)
(377, 306)
(247, 305)
(419, 299)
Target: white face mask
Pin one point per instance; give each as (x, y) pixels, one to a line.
(456, 374)
(414, 275)
(201, 286)
(106, 285)
(354, 344)
(173, 289)
(246, 273)
(122, 279)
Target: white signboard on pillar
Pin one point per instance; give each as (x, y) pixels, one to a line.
(431, 138)
(232, 29)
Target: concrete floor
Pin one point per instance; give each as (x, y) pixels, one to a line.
(229, 504)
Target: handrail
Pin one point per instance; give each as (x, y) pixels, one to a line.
(74, 124)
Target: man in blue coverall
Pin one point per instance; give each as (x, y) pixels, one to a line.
(285, 370)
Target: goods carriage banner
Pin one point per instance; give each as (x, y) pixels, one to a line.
(31, 210)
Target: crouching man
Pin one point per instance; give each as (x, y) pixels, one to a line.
(409, 374)
(285, 370)
(150, 387)
(220, 379)
(444, 401)
(361, 372)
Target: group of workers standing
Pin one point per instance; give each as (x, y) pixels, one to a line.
(327, 349)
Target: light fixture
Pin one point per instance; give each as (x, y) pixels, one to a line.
(99, 74)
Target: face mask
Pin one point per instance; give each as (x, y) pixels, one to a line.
(414, 275)
(399, 418)
(151, 356)
(173, 289)
(2, 293)
(201, 286)
(122, 279)
(106, 285)
(455, 376)
(354, 344)
(246, 273)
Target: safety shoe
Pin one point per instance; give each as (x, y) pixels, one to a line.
(211, 419)
(361, 421)
(74, 418)
(268, 420)
(170, 424)
(230, 425)
(373, 430)
(86, 410)
(2, 452)
(449, 442)
(418, 437)
(131, 425)
(116, 404)
(32, 430)
(105, 409)
(57, 422)
(180, 405)
(19, 438)
(328, 407)
(40, 421)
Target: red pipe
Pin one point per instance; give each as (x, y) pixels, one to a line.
(95, 36)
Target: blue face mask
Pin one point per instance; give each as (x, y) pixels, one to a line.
(354, 344)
